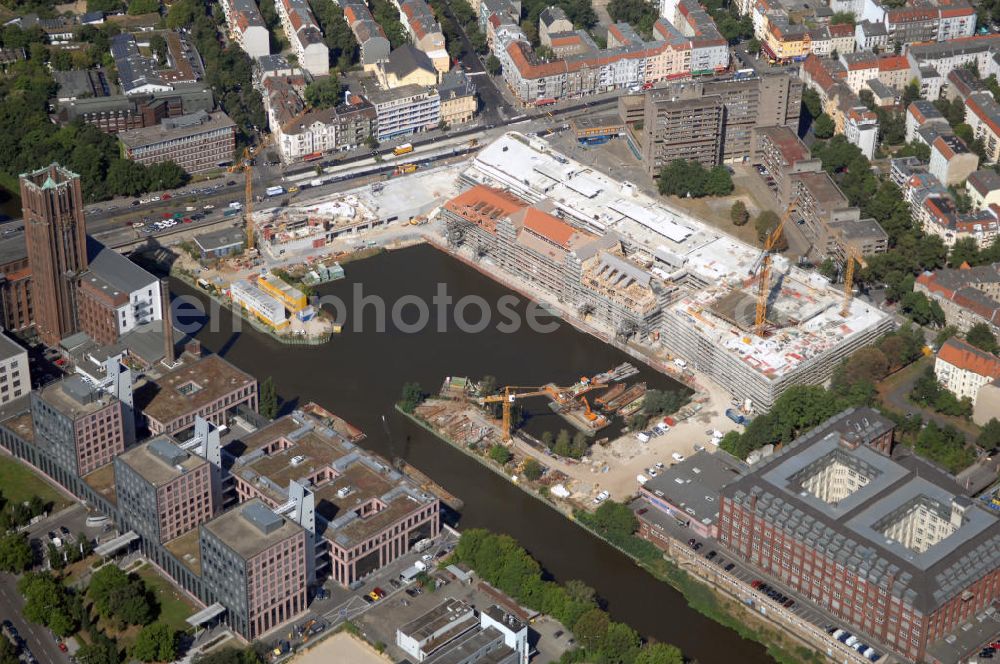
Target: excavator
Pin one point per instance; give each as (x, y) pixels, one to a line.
(596, 419)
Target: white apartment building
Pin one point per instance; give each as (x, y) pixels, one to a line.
(962, 368)
(15, 380)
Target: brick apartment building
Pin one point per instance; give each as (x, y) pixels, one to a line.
(162, 489)
(891, 548)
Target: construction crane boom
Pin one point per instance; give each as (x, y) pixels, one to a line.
(764, 276)
(853, 257)
(246, 165)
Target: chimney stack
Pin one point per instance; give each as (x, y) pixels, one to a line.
(193, 348)
(168, 324)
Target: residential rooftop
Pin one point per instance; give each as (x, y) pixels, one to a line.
(343, 477)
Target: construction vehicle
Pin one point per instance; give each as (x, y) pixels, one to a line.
(854, 257)
(588, 413)
(246, 165)
(764, 271)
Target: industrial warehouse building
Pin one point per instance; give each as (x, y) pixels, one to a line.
(891, 548)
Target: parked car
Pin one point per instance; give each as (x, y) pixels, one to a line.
(730, 567)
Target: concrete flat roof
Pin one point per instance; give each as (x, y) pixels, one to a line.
(238, 529)
(160, 461)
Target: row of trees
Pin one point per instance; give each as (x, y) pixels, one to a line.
(928, 392)
(564, 444)
(690, 178)
(500, 561)
(228, 69)
(117, 598)
(802, 407)
(29, 139)
(337, 34)
(656, 404)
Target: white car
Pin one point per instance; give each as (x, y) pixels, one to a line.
(208, 207)
(155, 199)
(659, 465)
(651, 471)
(677, 456)
(601, 497)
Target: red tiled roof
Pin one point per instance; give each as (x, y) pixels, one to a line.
(484, 206)
(551, 228)
(964, 355)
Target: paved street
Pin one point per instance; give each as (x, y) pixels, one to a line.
(39, 640)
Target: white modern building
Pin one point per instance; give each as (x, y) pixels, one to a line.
(264, 307)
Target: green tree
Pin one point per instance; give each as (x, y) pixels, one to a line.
(842, 18)
(7, 653)
(921, 151)
(156, 643)
(324, 92)
(981, 336)
(739, 214)
(578, 448)
(413, 396)
(15, 553)
(766, 222)
(811, 102)
(48, 602)
(922, 310)
(101, 650)
(621, 644)
(493, 65)
(136, 7)
(500, 454)
(268, 399)
(718, 182)
(562, 445)
(532, 469)
(989, 437)
(591, 628)
(615, 520)
(823, 127)
(965, 250)
(659, 653)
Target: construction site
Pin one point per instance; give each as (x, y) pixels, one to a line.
(651, 274)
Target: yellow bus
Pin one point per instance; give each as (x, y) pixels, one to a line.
(405, 148)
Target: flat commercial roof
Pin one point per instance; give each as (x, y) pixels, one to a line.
(160, 461)
(251, 528)
(694, 484)
(451, 614)
(9, 348)
(176, 128)
(193, 386)
(74, 397)
(357, 477)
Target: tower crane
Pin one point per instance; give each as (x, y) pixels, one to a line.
(854, 257)
(507, 399)
(764, 271)
(246, 165)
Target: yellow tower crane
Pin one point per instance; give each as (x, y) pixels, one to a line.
(246, 165)
(854, 257)
(764, 272)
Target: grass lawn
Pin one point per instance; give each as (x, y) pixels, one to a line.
(175, 607)
(19, 483)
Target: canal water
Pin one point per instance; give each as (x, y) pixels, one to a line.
(359, 377)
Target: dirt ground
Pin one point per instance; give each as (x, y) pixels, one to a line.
(341, 649)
